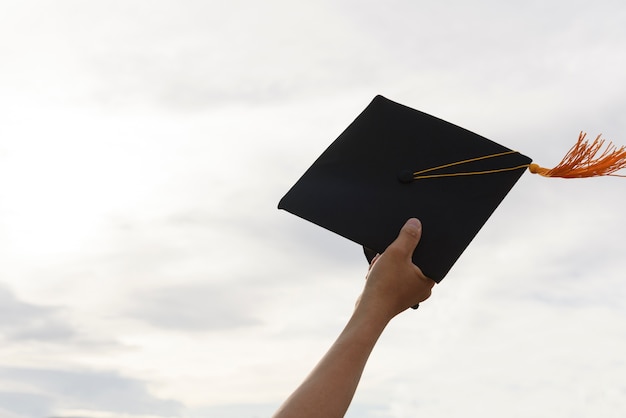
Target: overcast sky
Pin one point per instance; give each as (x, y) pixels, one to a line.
(145, 271)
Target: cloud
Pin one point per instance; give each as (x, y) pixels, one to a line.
(234, 411)
(53, 391)
(163, 210)
(25, 405)
(189, 55)
(24, 321)
(253, 410)
(198, 307)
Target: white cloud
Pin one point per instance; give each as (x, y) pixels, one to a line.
(52, 391)
(144, 148)
(200, 307)
(24, 321)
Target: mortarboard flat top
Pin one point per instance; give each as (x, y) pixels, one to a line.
(393, 163)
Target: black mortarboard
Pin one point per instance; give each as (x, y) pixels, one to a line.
(393, 163)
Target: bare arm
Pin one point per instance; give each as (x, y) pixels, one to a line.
(393, 284)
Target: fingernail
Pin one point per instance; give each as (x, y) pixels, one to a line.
(414, 222)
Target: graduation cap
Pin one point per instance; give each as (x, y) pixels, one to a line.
(393, 163)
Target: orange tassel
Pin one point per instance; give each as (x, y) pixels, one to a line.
(581, 161)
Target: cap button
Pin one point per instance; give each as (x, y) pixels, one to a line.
(406, 176)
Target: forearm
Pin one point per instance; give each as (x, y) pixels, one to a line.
(393, 284)
(328, 390)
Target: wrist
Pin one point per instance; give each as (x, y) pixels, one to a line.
(372, 316)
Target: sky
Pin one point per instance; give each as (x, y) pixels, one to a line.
(146, 272)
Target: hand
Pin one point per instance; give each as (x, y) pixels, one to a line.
(394, 283)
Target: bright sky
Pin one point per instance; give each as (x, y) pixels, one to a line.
(145, 271)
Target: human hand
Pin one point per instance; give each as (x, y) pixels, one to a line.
(394, 283)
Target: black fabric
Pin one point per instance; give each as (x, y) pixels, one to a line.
(358, 187)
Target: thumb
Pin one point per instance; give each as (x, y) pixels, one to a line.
(408, 237)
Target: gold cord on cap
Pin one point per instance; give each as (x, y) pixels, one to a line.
(419, 175)
(584, 159)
